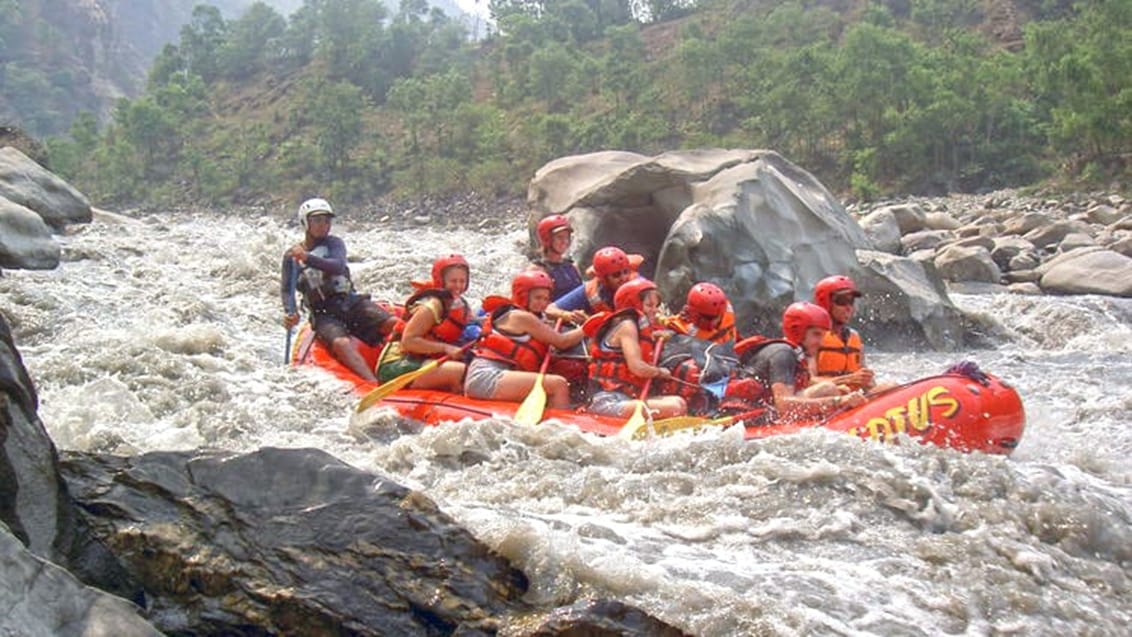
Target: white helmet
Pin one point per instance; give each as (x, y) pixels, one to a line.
(313, 206)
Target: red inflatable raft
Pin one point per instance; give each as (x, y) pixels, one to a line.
(968, 411)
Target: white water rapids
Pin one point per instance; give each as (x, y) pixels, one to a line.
(163, 333)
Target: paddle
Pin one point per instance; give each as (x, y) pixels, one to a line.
(638, 421)
(404, 380)
(292, 283)
(530, 410)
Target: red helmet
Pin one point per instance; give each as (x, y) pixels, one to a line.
(800, 317)
(706, 300)
(548, 226)
(524, 282)
(445, 262)
(610, 260)
(632, 293)
(825, 290)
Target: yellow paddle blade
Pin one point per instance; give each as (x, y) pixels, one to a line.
(676, 423)
(390, 387)
(637, 425)
(530, 410)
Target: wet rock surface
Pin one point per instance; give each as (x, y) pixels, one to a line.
(294, 541)
(290, 542)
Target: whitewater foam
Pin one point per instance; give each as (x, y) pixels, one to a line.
(165, 334)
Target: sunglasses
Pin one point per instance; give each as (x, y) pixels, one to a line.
(845, 300)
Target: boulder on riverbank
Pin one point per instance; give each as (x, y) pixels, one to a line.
(760, 227)
(33, 203)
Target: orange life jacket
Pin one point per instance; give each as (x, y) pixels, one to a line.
(453, 317)
(840, 353)
(608, 368)
(725, 333)
(593, 290)
(522, 351)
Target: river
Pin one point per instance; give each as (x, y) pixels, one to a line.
(162, 332)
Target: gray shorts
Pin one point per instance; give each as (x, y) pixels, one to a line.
(609, 403)
(483, 377)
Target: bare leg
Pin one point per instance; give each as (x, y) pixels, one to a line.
(448, 377)
(514, 387)
(667, 406)
(661, 407)
(348, 355)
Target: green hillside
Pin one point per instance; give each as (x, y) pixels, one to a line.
(874, 97)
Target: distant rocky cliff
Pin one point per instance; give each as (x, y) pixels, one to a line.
(62, 57)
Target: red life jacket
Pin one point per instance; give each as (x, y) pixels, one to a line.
(593, 290)
(453, 318)
(607, 363)
(521, 351)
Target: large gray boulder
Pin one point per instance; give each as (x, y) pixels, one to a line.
(748, 220)
(27, 183)
(41, 599)
(34, 501)
(25, 240)
(902, 287)
(1090, 272)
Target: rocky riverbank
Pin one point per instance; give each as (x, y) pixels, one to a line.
(1009, 242)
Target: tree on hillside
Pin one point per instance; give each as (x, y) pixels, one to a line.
(1082, 70)
(252, 41)
(335, 110)
(201, 41)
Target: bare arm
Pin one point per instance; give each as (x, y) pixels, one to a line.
(527, 323)
(626, 336)
(789, 403)
(414, 339)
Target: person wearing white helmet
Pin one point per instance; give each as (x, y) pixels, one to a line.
(337, 311)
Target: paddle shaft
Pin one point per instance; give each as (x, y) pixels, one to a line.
(292, 283)
(546, 359)
(648, 381)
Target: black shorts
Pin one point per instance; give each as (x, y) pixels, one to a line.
(354, 315)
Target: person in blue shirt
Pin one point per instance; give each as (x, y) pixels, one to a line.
(611, 269)
(317, 265)
(554, 236)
